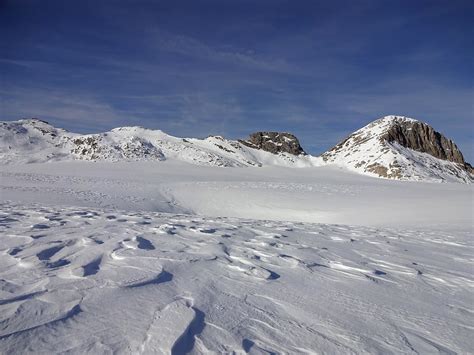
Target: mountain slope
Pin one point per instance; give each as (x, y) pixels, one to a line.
(33, 140)
(402, 148)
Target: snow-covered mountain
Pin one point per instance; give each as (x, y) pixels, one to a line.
(33, 140)
(392, 147)
(403, 148)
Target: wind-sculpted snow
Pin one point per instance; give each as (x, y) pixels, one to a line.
(98, 280)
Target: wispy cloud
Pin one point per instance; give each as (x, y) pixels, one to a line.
(192, 47)
(412, 95)
(30, 64)
(69, 110)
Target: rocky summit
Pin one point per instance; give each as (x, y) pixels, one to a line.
(274, 142)
(403, 148)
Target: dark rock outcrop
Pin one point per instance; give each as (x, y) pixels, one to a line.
(423, 138)
(274, 142)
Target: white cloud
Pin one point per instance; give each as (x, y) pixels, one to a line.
(192, 47)
(70, 109)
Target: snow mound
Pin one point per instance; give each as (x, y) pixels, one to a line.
(402, 148)
(31, 141)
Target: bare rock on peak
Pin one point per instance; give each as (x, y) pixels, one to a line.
(421, 137)
(274, 142)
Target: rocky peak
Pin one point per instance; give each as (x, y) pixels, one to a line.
(399, 147)
(274, 142)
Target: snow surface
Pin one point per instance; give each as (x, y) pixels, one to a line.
(171, 258)
(321, 195)
(95, 281)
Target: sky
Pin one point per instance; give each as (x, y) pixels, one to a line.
(318, 69)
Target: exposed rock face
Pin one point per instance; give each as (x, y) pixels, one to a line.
(95, 147)
(274, 142)
(423, 138)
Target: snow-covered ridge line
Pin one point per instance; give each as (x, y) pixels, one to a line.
(392, 147)
(33, 140)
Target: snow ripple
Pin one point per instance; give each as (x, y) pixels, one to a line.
(170, 283)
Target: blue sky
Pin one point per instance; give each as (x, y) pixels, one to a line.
(318, 69)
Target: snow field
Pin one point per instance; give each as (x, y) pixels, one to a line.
(321, 195)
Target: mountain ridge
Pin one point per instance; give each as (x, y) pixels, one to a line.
(393, 147)
(33, 140)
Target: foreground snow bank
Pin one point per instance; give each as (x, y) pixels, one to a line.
(91, 280)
